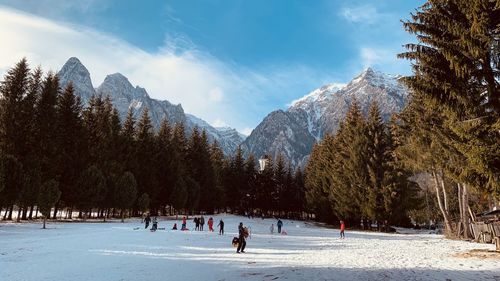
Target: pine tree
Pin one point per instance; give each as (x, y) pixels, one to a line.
(146, 178)
(46, 129)
(279, 184)
(70, 144)
(143, 202)
(91, 189)
(164, 162)
(178, 197)
(249, 191)
(13, 89)
(456, 70)
(126, 192)
(49, 195)
(377, 165)
(217, 160)
(235, 180)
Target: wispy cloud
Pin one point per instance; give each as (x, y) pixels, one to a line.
(364, 14)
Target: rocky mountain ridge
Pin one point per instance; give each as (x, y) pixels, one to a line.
(125, 96)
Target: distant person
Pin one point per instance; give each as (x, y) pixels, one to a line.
(155, 224)
(196, 221)
(184, 223)
(174, 227)
(147, 220)
(202, 223)
(279, 224)
(271, 229)
(242, 243)
(221, 227)
(342, 229)
(211, 224)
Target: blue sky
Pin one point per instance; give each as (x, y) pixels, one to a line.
(230, 62)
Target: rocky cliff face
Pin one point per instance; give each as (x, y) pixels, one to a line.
(293, 132)
(125, 96)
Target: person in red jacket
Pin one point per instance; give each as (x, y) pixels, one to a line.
(211, 224)
(342, 229)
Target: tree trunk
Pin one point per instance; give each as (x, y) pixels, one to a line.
(465, 207)
(44, 220)
(11, 209)
(19, 214)
(123, 215)
(25, 213)
(31, 212)
(446, 216)
(445, 194)
(461, 208)
(56, 207)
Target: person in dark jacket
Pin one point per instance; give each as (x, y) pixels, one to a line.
(221, 227)
(279, 224)
(202, 223)
(242, 242)
(197, 223)
(147, 220)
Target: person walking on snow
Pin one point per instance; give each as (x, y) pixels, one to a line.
(279, 224)
(211, 224)
(202, 223)
(147, 220)
(196, 221)
(221, 227)
(342, 229)
(242, 243)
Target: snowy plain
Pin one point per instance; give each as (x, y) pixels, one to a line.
(119, 251)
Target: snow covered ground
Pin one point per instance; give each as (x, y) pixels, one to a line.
(115, 251)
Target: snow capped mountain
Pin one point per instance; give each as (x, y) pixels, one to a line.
(228, 138)
(280, 133)
(74, 71)
(308, 119)
(125, 96)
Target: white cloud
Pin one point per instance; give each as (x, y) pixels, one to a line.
(365, 14)
(215, 94)
(247, 131)
(219, 123)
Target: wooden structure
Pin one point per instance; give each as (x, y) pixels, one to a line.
(486, 228)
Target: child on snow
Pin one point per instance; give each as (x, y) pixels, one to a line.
(211, 224)
(342, 229)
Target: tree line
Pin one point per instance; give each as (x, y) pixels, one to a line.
(354, 175)
(56, 153)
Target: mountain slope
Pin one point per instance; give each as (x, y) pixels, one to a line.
(320, 112)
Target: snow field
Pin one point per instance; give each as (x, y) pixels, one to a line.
(115, 251)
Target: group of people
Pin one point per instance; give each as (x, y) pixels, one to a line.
(147, 221)
(243, 232)
(279, 224)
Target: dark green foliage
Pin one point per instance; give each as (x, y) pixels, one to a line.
(456, 76)
(125, 192)
(353, 175)
(47, 198)
(143, 202)
(91, 188)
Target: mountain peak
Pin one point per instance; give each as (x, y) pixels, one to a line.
(117, 76)
(73, 60)
(74, 71)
